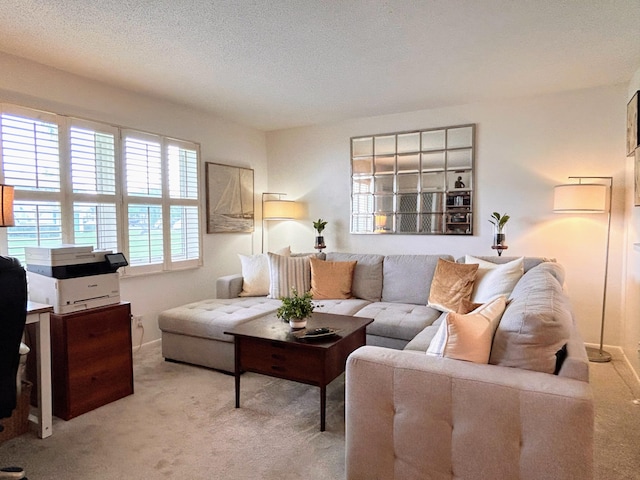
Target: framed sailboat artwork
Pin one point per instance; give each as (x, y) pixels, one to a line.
(229, 199)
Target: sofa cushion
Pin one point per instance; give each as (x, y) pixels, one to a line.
(494, 280)
(286, 273)
(536, 323)
(469, 336)
(398, 320)
(407, 278)
(367, 276)
(331, 280)
(528, 263)
(340, 307)
(452, 283)
(211, 318)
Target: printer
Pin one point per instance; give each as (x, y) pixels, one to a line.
(73, 277)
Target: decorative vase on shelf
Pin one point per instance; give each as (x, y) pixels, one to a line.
(499, 236)
(319, 243)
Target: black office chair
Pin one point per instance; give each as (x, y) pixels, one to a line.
(13, 314)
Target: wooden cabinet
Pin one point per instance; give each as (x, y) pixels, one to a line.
(92, 362)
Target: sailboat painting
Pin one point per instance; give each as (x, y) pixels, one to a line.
(229, 199)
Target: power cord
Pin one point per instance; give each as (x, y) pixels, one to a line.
(141, 337)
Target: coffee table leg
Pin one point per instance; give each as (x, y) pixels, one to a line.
(237, 370)
(323, 406)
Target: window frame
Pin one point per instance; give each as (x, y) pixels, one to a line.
(66, 197)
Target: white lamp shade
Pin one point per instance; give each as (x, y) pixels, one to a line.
(6, 206)
(280, 210)
(580, 198)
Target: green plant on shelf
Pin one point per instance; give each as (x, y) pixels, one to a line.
(499, 221)
(319, 225)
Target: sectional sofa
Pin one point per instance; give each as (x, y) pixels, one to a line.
(525, 411)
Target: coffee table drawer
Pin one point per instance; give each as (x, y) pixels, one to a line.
(281, 360)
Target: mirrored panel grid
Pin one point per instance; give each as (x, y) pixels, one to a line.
(416, 182)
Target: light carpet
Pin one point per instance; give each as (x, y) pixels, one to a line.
(181, 424)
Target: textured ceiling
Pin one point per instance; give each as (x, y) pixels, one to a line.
(278, 64)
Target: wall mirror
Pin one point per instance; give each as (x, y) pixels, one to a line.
(418, 182)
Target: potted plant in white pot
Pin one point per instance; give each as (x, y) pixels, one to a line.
(499, 222)
(296, 308)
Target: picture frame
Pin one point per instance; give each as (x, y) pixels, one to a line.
(636, 175)
(230, 198)
(633, 126)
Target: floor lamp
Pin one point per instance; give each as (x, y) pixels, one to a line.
(277, 209)
(589, 197)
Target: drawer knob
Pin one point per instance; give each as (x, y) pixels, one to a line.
(278, 368)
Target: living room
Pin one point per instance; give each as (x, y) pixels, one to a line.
(527, 142)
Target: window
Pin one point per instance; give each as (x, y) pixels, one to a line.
(89, 183)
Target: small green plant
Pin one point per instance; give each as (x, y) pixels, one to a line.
(295, 306)
(499, 221)
(319, 225)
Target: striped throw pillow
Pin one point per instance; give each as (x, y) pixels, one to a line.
(287, 272)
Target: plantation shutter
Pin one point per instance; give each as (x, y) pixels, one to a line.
(92, 149)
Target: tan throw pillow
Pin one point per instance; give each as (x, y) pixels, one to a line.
(331, 280)
(452, 282)
(465, 306)
(468, 337)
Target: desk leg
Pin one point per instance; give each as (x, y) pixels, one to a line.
(43, 347)
(323, 406)
(236, 344)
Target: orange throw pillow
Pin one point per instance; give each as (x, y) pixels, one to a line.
(331, 280)
(452, 282)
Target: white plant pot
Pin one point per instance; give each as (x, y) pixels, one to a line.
(298, 323)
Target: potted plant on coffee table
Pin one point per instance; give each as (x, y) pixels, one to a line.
(296, 308)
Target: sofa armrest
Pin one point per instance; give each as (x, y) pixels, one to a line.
(410, 416)
(229, 286)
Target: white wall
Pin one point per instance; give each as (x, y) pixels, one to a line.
(631, 319)
(524, 147)
(32, 85)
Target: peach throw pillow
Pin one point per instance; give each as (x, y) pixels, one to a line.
(468, 337)
(331, 280)
(452, 282)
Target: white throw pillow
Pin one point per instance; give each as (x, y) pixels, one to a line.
(288, 272)
(495, 279)
(468, 337)
(255, 273)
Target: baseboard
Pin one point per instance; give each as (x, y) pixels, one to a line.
(618, 354)
(147, 344)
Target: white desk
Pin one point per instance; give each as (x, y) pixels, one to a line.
(38, 313)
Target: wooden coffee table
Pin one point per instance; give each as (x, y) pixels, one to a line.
(267, 345)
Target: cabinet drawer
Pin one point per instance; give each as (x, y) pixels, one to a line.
(281, 360)
(93, 387)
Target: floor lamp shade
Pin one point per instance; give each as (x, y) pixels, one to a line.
(6, 207)
(580, 198)
(280, 210)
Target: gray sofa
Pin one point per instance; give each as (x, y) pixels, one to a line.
(434, 417)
